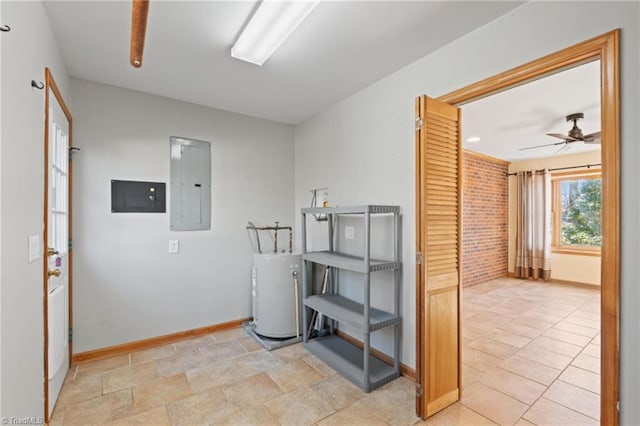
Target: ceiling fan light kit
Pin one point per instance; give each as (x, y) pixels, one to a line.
(575, 132)
(272, 23)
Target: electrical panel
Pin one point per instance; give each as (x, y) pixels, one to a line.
(129, 196)
(190, 184)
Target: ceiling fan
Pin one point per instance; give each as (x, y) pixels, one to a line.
(575, 135)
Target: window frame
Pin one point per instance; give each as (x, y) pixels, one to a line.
(556, 210)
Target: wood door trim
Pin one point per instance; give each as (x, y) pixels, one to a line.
(561, 60)
(606, 48)
(45, 240)
(50, 83)
(420, 311)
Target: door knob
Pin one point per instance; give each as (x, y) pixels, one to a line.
(55, 273)
(51, 252)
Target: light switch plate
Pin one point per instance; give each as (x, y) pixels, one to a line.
(174, 246)
(349, 232)
(34, 248)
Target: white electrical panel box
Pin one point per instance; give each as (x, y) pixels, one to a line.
(190, 184)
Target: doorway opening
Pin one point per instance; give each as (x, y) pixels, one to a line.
(531, 203)
(439, 379)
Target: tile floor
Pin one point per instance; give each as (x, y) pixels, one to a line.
(531, 356)
(224, 378)
(531, 353)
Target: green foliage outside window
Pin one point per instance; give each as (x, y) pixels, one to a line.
(581, 207)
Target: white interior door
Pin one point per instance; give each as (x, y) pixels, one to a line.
(58, 248)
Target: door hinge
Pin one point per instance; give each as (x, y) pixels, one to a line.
(70, 244)
(618, 406)
(418, 390)
(70, 334)
(419, 258)
(418, 123)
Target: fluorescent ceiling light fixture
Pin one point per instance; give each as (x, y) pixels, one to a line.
(473, 139)
(270, 26)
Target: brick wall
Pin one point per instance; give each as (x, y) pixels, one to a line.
(484, 219)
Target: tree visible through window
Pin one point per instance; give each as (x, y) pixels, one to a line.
(578, 208)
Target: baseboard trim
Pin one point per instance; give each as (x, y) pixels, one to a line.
(405, 370)
(153, 341)
(575, 284)
(565, 282)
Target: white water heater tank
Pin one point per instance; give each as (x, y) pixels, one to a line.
(276, 303)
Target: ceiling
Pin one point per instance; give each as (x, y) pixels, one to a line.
(340, 48)
(521, 117)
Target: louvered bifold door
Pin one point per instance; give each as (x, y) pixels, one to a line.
(439, 246)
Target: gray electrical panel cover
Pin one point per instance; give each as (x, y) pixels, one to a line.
(190, 184)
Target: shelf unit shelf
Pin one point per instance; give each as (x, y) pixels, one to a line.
(369, 208)
(350, 263)
(354, 363)
(347, 359)
(351, 313)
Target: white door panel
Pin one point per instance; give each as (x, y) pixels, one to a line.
(58, 248)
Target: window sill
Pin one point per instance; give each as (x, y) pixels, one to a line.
(576, 252)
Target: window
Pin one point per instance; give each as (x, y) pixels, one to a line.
(576, 213)
(59, 182)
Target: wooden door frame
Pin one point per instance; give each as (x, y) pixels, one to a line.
(606, 48)
(50, 83)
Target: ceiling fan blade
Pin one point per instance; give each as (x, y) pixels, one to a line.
(566, 147)
(561, 136)
(542, 146)
(594, 138)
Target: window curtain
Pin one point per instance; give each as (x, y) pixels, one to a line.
(533, 233)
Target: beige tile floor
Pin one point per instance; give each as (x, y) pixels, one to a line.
(530, 357)
(531, 353)
(224, 378)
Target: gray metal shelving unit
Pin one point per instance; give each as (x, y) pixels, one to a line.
(355, 363)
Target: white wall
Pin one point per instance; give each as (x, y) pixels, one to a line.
(26, 51)
(567, 267)
(126, 285)
(362, 148)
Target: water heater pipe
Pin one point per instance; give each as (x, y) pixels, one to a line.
(276, 229)
(295, 291)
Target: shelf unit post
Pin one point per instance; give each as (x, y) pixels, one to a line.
(331, 275)
(367, 294)
(305, 280)
(396, 291)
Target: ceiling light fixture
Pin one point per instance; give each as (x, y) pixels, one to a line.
(473, 139)
(269, 27)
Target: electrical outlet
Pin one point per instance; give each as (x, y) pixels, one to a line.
(349, 232)
(174, 246)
